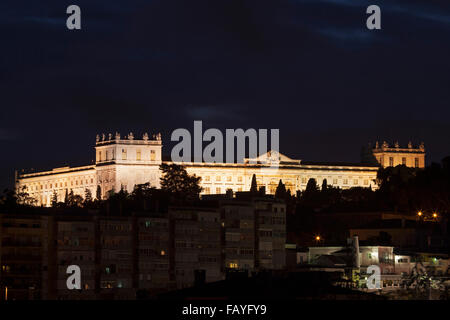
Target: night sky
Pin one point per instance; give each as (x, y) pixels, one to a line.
(308, 67)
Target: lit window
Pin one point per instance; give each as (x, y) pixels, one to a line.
(335, 181)
(229, 178)
(207, 178)
(218, 178)
(217, 190)
(391, 161)
(124, 154)
(355, 181)
(404, 161)
(240, 179)
(138, 155)
(416, 162)
(152, 155)
(345, 181)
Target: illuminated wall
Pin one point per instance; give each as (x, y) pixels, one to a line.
(122, 163)
(391, 156)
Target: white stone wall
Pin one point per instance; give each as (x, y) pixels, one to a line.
(127, 176)
(218, 178)
(124, 163)
(41, 186)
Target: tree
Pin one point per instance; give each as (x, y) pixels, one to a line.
(98, 194)
(8, 199)
(74, 200)
(87, 195)
(311, 186)
(70, 197)
(280, 192)
(324, 185)
(142, 195)
(54, 199)
(24, 198)
(394, 178)
(176, 180)
(254, 185)
(77, 201)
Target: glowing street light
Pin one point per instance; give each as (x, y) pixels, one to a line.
(318, 238)
(419, 213)
(435, 215)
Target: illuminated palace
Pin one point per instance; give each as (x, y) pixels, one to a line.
(122, 163)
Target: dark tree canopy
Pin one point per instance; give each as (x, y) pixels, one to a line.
(23, 197)
(98, 193)
(87, 195)
(311, 186)
(254, 185)
(54, 199)
(175, 179)
(280, 192)
(324, 185)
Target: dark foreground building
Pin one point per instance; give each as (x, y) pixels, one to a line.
(141, 254)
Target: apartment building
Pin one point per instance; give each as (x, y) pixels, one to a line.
(20, 257)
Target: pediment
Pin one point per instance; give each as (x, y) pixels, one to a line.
(272, 157)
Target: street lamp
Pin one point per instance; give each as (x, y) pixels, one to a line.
(419, 213)
(318, 239)
(435, 215)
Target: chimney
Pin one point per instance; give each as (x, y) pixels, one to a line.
(356, 252)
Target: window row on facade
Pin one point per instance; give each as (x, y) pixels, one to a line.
(109, 155)
(56, 185)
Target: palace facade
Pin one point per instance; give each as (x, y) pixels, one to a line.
(122, 163)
